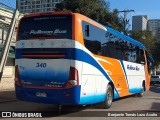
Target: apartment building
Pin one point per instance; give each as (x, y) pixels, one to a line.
(153, 25)
(139, 22)
(32, 6)
(5, 20)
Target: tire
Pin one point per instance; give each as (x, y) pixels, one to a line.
(109, 97)
(141, 93)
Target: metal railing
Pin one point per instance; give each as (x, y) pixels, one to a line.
(6, 47)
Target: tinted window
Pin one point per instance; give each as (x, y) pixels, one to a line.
(104, 43)
(155, 76)
(108, 44)
(51, 26)
(92, 39)
(115, 47)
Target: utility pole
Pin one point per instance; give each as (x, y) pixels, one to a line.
(6, 46)
(125, 21)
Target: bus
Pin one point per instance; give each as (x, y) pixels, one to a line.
(66, 58)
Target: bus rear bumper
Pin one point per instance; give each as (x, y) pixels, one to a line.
(49, 96)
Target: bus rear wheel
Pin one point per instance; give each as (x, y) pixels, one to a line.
(109, 97)
(142, 92)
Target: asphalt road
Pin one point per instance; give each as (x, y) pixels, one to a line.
(150, 102)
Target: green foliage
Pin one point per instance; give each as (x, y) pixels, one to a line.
(146, 38)
(156, 52)
(151, 43)
(97, 10)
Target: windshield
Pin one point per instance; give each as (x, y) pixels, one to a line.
(46, 26)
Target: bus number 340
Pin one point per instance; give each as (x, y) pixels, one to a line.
(42, 65)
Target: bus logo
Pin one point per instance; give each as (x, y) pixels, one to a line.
(57, 31)
(130, 67)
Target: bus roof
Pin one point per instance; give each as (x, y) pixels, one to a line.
(120, 35)
(47, 13)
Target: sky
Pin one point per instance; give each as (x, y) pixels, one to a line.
(151, 8)
(141, 7)
(11, 3)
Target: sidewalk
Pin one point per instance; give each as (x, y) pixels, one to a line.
(7, 84)
(7, 92)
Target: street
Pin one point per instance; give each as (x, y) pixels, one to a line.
(74, 52)
(149, 102)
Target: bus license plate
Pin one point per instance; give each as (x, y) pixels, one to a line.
(41, 94)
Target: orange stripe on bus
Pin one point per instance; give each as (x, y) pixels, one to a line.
(116, 73)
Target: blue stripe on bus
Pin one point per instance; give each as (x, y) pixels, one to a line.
(80, 55)
(131, 90)
(135, 90)
(90, 60)
(85, 57)
(77, 54)
(124, 72)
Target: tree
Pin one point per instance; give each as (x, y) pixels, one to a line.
(115, 20)
(156, 53)
(146, 38)
(151, 43)
(97, 10)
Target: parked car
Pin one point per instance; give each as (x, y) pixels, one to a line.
(155, 79)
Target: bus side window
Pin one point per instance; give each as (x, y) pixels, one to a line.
(87, 30)
(92, 38)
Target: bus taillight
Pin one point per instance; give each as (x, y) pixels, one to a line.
(17, 81)
(73, 78)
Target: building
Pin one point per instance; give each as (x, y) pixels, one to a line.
(32, 6)
(139, 22)
(5, 20)
(153, 25)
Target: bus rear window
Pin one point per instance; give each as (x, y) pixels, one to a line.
(46, 26)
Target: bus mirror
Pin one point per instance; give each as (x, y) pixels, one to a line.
(150, 61)
(150, 64)
(87, 30)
